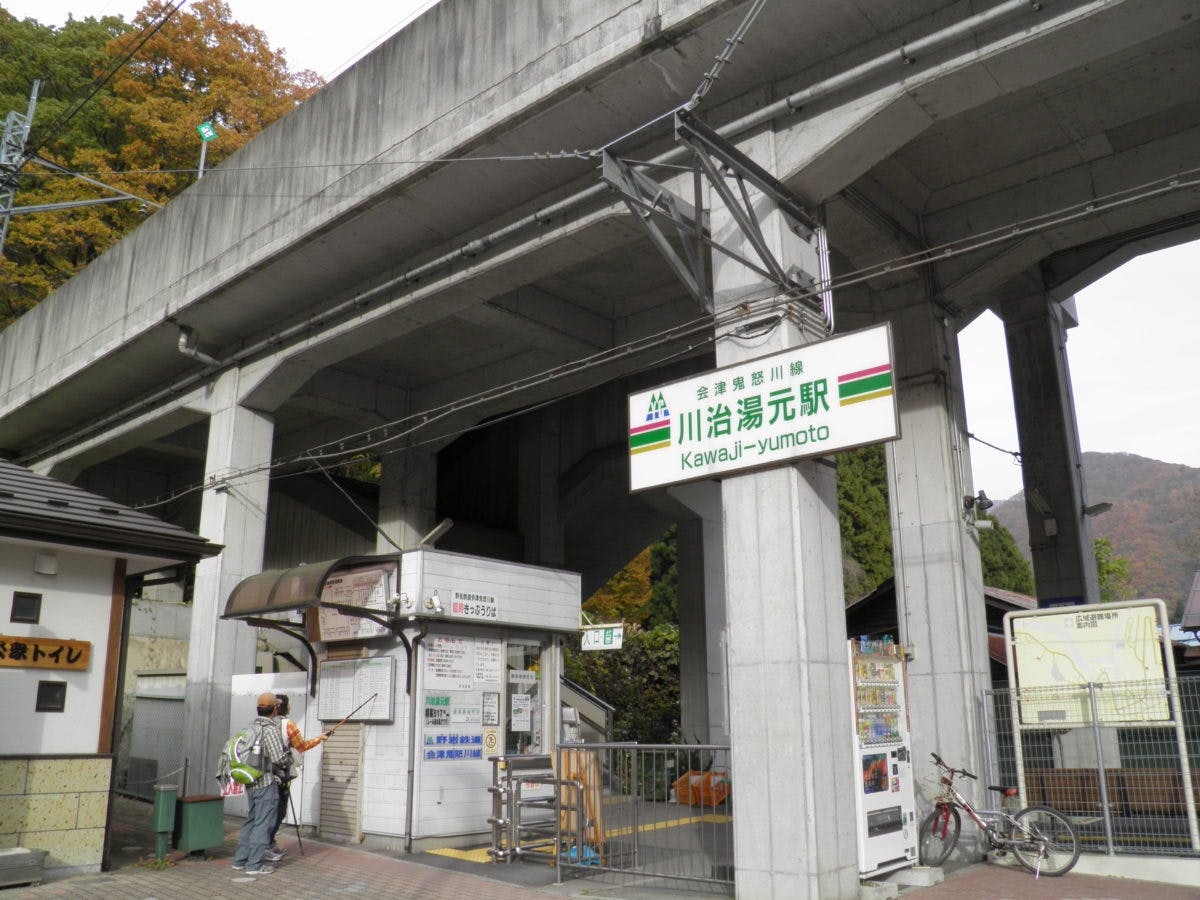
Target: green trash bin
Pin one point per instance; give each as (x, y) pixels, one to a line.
(163, 817)
(200, 823)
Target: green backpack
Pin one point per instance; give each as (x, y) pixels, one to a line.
(242, 758)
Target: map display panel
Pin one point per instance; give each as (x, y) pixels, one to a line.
(1119, 650)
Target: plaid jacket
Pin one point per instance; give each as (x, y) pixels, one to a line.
(296, 740)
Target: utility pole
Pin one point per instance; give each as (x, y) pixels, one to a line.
(12, 149)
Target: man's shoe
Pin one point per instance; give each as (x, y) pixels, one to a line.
(238, 867)
(261, 870)
(274, 854)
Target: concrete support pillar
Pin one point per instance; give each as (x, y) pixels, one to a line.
(538, 470)
(1060, 534)
(234, 514)
(789, 696)
(939, 586)
(704, 696)
(407, 498)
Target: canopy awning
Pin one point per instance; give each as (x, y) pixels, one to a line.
(283, 590)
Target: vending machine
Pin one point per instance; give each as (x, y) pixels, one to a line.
(885, 800)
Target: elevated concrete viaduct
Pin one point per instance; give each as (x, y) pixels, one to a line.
(348, 284)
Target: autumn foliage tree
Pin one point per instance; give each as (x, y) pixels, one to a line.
(136, 133)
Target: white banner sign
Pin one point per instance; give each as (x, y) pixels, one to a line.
(603, 637)
(808, 401)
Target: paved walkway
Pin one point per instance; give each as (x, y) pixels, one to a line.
(323, 871)
(992, 882)
(328, 870)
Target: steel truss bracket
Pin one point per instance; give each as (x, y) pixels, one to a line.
(680, 230)
(654, 206)
(725, 166)
(711, 148)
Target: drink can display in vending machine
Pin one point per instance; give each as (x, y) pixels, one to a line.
(884, 798)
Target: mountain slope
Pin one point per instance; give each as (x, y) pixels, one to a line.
(1153, 523)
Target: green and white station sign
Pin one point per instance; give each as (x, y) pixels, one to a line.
(207, 131)
(807, 401)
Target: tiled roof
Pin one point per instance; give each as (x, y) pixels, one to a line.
(34, 507)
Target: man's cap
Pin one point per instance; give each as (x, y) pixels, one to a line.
(266, 699)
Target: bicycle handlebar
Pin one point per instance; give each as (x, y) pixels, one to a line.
(942, 763)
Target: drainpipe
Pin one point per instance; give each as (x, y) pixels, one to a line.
(412, 736)
(187, 346)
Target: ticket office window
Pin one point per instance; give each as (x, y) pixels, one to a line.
(525, 697)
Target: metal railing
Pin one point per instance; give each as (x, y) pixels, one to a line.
(527, 807)
(1125, 785)
(647, 813)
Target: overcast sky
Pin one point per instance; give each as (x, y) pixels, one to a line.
(1129, 356)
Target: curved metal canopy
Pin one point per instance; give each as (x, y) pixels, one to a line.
(283, 590)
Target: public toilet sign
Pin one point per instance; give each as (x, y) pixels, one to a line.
(807, 401)
(603, 637)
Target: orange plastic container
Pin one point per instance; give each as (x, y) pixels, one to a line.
(702, 788)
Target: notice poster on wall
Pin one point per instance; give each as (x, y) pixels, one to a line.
(488, 660)
(450, 663)
(519, 718)
(491, 708)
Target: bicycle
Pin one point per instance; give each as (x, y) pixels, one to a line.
(1042, 839)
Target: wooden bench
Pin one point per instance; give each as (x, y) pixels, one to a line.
(1130, 791)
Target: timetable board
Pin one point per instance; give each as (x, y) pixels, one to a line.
(343, 684)
(368, 587)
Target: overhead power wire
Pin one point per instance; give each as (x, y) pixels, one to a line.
(725, 57)
(537, 156)
(474, 248)
(1015, 454)
(703, 327)
(767, 301)
(352, 502)
(148, 31)
(285, 463)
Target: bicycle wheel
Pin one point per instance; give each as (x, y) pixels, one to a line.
(939, 834)
(1044, 841)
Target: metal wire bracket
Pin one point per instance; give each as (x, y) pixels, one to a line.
(680, 230)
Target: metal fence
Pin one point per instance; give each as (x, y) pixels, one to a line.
(647, 814)
(1125, 786)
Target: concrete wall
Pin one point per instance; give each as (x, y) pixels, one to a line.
(56, 804)
(418, 95)
(75, 606)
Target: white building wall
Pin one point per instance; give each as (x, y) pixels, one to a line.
(385, 763)
(76, 605)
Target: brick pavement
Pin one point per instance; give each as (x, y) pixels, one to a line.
(329, 870)
(323, 871)
(992, 882)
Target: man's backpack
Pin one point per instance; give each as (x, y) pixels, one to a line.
(242, 758)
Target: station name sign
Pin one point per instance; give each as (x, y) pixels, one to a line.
(808, 401)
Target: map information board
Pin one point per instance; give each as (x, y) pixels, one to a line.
(1118, 649)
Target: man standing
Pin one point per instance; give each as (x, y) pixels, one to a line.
(263, 795)
(293, 739)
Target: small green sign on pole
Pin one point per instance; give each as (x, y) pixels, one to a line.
(207, 132)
